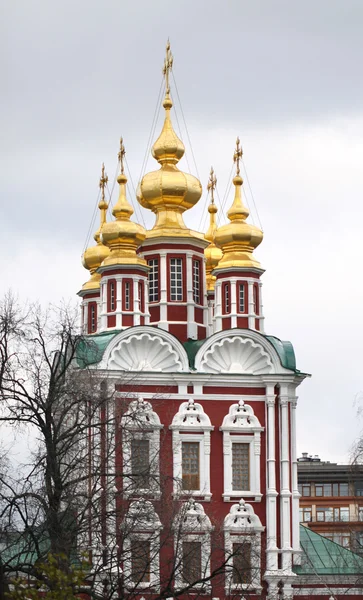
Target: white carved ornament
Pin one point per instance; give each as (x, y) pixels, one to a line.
(145, 352)
(140, 415)
(242, 518)
(141, 516)
(236, 355)
(241, 418)
(191, 518)
(191, 416)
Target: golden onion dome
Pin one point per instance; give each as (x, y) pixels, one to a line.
(95, 255)
(238, 239)
(122, 236)
(169, 192)
(212, 253)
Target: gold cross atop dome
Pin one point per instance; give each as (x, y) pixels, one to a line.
(168, 65)
(121, 155)
(237, 155)
(212, 184)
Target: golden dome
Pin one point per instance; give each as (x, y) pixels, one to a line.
(238, 239)
(212, 253)
(95, 255)
(122, 236)
(169, 192)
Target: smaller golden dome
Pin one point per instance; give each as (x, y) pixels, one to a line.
(169, 192)
(212, 253)
(95, 255)
(122, 236)
(238, 239)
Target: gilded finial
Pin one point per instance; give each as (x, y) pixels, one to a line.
(212, 184)
(168, 65)
(102, 205)
(237, 155)
(121, 155)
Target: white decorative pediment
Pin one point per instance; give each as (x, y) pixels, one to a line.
(242, 518)
(241, 418)
(191, 518)
(142, 517)
(191, 416)
(140, 415)
(236, 355)
(146, 349)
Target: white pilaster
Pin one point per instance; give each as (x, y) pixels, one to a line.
(294, 486)
(285, 492)
(191, 325)
(271, 494)
(118, 303)
(251, 308)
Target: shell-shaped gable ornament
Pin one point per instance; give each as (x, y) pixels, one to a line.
(236, 354)
(145, 352)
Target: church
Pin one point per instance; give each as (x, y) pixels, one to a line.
(205, 498)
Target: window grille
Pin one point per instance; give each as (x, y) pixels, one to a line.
(241, 298)
(176, 279)
(153, 280)
(196, 281)
(140, 561)
(112, 291)
(140, 463)
(240, 467)
(226, 298)
(127, 295)
(192, 562)
(190, 465)
(93, 318)
(242, 563)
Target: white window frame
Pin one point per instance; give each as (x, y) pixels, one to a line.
(191, 416)
(141, 422)
(191, 524)
(242, 426)
(241, 526)
(154, 274)
(149, 531)
(176, 279)
(196, 281)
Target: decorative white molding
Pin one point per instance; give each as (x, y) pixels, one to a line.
(191, 524)
(191, 424)
(145, 348)
(245, 428)
(239, 352)
(143, 524)
(140, 422)
(243, 526)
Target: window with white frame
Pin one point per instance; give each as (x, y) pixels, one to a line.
(196, 281)
(242, 539)
(141, 546)
(241, 297)
(153, 280)
(141, 449)
(112, 292)
(241, 453)
(192, 547)
(191, 429)
(176, 279)
(127, 295)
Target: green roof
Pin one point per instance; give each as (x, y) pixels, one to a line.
(90, 349)
(324, 557)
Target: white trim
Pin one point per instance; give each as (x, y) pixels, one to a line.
(242, 426)
(190, 418)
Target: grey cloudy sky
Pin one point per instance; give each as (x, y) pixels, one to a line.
(284, 75)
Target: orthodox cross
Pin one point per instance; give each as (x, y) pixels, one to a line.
(237, 154)
(212, 184)
(168, 64)
(121, 155)
(103, 181)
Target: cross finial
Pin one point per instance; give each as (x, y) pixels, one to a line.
(121, 155)
(168, 65)
(212, 184)
(103, 181)
(237, 154)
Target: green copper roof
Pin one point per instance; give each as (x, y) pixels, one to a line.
(324, 557)
(91, 349)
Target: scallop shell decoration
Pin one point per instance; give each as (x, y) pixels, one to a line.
(236, 355)
(145, 352)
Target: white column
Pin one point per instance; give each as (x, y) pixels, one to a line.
(251, 308)
(85, 316)
(233, 304)
(191, 326)
(271, 494)
(104, 305)
(218, 307)
(137, 302)
(164, 277)
(118, 303)
(285, 492)
(294, 486)
(262, 318)
(146, 301)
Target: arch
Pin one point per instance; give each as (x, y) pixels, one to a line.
(145, 348)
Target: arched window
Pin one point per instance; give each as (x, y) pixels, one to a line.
(141, 546)
(191, 450)
(242, 540)
(241, 452)
(141, 449)
(192, 547)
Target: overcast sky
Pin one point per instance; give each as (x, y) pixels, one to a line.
(285, 76)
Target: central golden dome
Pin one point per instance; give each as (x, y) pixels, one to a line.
(169, 192)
